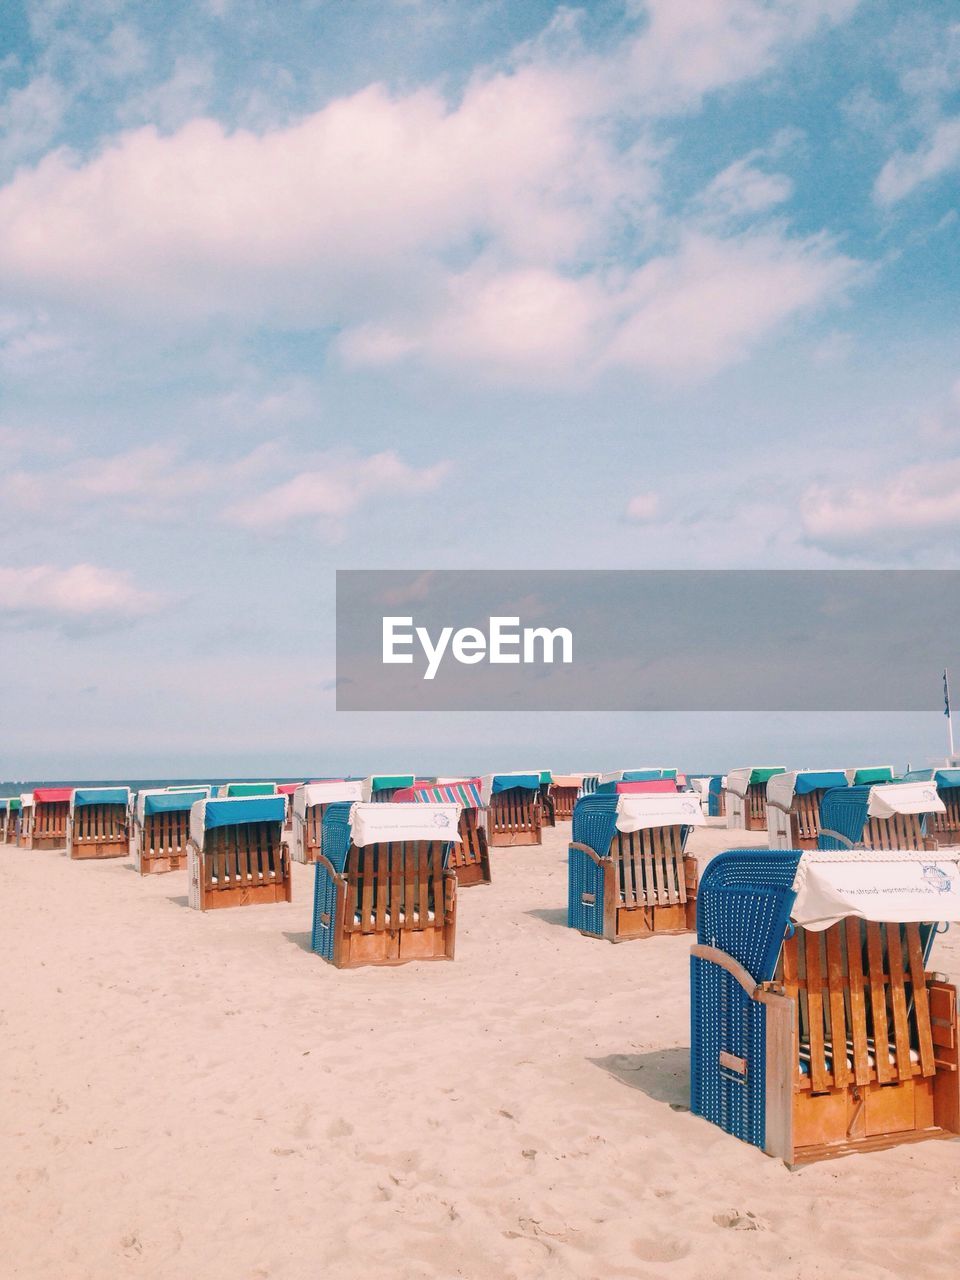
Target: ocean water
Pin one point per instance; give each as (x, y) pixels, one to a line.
(14, 786)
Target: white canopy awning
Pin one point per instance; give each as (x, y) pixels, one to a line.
(738, 781)
(26, 800)
(670, 809)
(311, 793)
(379, 823)
(904, 797)
(873, 885)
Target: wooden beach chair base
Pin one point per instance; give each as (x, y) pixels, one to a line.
(307, 848)
(242, 865)
(46, 842)
(80, 850)
(392, 904)
(99, 831)
(860, 986)
(648, 886)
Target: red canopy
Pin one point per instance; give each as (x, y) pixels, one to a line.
(655, 786)
(51, 795)
(287, 788)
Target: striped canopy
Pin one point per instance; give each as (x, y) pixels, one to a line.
(465, 793)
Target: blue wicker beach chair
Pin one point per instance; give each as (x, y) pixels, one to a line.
(236, 854)
(793, 806)
(889, 816)
(98, 825)
(161, 828)
(627, 875)
(514, 808)
(383, 892)
(816, 1029)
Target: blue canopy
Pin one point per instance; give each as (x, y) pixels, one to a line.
(817, 781)
(513, 781)
(647, 775)
(947, 778)
(171, 801)
(229, 813)
(100, 795)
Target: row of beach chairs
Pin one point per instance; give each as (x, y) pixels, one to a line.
(817, 1025)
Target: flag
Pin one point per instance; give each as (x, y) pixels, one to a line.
(946, 696)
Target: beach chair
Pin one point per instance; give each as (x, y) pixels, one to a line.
(793, 806)
(514, 809)
(98, 822)
(565, 792)
(889, 816)
(746, 797)
(943, 827)
(48, 818)
(12, 818)
(869, 775)
(161, 828)
(627, 874)
(310, 802)
(383, 893)
(4, 818)
(288, 790)
(23, 824)
(470, 859)
(816, 1028)
(379, 788)
(236, 855)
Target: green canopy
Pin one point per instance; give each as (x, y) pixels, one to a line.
(393, 783)
(251, 789)
(764, 774)
(866, 777)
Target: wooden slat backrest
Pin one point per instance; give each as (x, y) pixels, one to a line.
(165, 834)
(757, 801)
(397, 884)
(313, 826)
(863, 1006)
(807, 815)
(902, 831)
(247, 853)
(99, 822)
(648, 865)
(50, 819)
(513, 811)
(470, 850)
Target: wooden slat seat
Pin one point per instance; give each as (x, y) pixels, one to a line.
(564, 798)
(648, 884)
(755, 806)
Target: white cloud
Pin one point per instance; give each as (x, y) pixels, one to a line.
(83, 593)
(30, 118)
(907, 170)
(743, 190)
(898, 513)
(334, 487)
(643, 508)
(184, 94)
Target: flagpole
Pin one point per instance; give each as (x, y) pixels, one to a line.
(946, 699)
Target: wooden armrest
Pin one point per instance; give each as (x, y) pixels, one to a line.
(591, 853)
(321, 861)
(733, 967)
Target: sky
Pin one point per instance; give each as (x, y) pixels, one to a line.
(454, 284)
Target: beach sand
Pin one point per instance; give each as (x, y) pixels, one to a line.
(199, 1097)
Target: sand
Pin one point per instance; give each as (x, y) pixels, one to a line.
(198, 1096)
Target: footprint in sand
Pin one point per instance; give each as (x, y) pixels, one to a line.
(661, 1250)
(740, 1220)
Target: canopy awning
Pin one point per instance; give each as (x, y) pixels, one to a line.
(904, 797)
(640, 812)
(314, 793)
(740, 780)
(873, 773)
(871, 885)
(206, 815)
(239, 789)
(52, 795)
(168, 800)
(782, 787)
(464, 793)
(84, 797)
(493, 783)
(384, 822)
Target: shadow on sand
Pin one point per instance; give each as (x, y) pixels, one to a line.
(662, 1074)
(551, 915)
(180, 902)
(301, 940)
